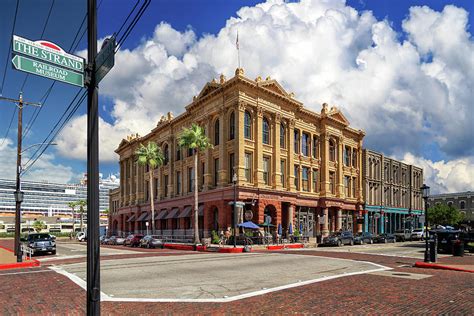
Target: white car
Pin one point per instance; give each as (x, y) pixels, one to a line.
(418, 234)
(81, 236)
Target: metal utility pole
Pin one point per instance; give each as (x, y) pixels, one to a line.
(18, 193)
(93, 250)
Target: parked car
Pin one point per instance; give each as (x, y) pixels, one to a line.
(363, 238)
(418, 234)
(151, 241)
(447, 238)
(339, 239)
(115, 240)
(403, 234)
(104, 239)
(133, 240)
(81, 236)
(385, 238)
(468, 238)
(40, 243)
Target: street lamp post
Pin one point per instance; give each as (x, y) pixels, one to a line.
(234, 181)
(425, 190)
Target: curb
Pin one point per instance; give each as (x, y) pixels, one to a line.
(421, 264)
(27, 264)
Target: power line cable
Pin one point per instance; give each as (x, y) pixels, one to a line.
(41, 36)
(5, 70)
(48, 92)
(76, 107)
(9, 47)
(45, 141)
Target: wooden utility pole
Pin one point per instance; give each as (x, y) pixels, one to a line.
(18, 193)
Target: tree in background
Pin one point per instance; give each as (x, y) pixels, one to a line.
(195, 138)
(38, 226)
(442, 214)
(82, 204)
(151, 156)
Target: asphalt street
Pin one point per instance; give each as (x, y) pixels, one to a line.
(211, 276)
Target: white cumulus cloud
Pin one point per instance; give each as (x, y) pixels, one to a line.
(402, 90)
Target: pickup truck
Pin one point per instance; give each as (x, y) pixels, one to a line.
(40, 243)
(403, 234)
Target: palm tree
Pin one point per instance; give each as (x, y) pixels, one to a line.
(196, 139)
(73, 205)
(82, 204)
(152, 156)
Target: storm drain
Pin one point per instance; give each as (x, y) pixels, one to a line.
(403, 275)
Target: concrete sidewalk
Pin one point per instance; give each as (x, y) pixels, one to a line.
(6, 256)
(8, 260)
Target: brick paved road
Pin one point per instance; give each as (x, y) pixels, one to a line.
(40, 292)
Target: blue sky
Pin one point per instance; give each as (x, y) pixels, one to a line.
(200, 21)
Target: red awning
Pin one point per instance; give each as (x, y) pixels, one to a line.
(173, 213)
(132, 218)
(162, 214)
(141, 218)
(186, 213)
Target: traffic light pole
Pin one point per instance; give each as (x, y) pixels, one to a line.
(93, 249)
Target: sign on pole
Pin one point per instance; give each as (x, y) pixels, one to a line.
(47, 52)
(105, 59)
(48, 60)
(49, 71)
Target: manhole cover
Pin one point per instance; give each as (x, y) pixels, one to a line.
(401, 274)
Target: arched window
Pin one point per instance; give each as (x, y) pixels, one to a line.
(450, 203)
(266, 132)
(247, 125)
(216, 219)
(332, 150)
(462, 205)
(166, 154)
(216, 132)
(282, 135)
(232, 126)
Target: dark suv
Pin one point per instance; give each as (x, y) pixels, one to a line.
(41, 243)
(363, 238)
(339, 239)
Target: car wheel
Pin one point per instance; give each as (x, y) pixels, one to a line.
(53, 252)
(403, 239)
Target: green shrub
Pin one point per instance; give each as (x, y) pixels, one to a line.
(215, 237)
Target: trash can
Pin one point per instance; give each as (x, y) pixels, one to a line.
(458, 248)
(433, 251)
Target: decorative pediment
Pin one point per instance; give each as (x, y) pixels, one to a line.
(335, 114)
(274, 86)
(208, 88)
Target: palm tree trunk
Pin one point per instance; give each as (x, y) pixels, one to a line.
(196, 213)
(152, 204)
(82, 220)
(73, 223)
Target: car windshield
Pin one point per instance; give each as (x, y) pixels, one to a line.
(39, 236)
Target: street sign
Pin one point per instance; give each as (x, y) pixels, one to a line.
(47, 70)
(105, 59)
(47, 52)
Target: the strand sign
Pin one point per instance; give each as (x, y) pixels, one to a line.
(47, 52)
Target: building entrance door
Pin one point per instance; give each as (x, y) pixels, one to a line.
(306, 222)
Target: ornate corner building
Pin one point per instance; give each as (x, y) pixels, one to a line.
(292, 165)
(392, 193)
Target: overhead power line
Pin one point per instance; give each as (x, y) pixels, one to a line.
(45, 97)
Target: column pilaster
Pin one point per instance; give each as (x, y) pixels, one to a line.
(276, 152)
(325, 231)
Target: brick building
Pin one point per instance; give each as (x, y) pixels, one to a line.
(463, 201)
(292, 164)
(392, 193)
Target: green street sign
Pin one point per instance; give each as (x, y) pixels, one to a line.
(48, 52)
(49, 71)
(105, 59)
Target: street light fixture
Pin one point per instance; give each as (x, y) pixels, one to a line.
(234, 181)
(425, 191)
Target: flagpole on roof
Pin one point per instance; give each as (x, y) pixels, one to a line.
(238, 48)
